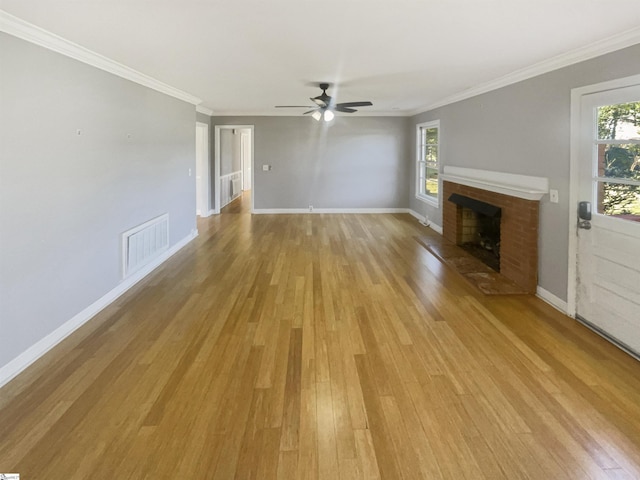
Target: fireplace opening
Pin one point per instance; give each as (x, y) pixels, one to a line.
(480, 229)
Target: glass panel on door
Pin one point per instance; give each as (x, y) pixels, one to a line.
(617, 181)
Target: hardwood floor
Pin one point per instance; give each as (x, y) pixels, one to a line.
(322, 347)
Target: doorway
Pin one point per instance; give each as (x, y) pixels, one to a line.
(233, 163)
(203, 196)
(605, 282)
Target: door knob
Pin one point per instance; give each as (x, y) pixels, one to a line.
(584, 215)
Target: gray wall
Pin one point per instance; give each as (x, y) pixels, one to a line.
(353, 162)
(202, 118)
(66, 198)
(230, 160)
(525, 128)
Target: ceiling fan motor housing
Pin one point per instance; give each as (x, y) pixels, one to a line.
(323, 100)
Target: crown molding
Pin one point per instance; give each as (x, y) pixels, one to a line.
(268, 113)
(31, 33)
(602, 47)
(204, 110)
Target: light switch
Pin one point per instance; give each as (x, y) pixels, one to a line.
(553, 196)
(266, 168)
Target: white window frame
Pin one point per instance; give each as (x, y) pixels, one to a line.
(421, 164)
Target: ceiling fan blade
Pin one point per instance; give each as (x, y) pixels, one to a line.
(354, 104)
(340, 108)
(311, 111)
(319, 102)
(294, 106)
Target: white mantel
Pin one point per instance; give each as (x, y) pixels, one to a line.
(521, 186)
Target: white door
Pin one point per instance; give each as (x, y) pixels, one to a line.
(245, 150)
(202, 169)
(608, 266)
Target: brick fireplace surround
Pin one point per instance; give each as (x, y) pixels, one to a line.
(518, 226)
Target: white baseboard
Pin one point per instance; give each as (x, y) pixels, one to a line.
(427, 223)
(262, 211)
(415, 214)
(35, 351)
(435, 227)
(552, 300)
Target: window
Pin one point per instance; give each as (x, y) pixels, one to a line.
(617, 180)
(427, 165)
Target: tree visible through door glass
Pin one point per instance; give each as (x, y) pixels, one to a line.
(618, 160)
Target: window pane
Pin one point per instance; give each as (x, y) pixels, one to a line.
(619, 122)
(431, 183)
(616, 199)
(432, 135)
(619, 161)
(431, 153)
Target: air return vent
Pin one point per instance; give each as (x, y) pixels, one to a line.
(143, 243)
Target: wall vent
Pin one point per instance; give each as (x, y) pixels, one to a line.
(143, 243)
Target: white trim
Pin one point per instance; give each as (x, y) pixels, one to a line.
(31, 33)
(38, 349)
(421, 218)
(425, 221)
(602, 47)
(574, 162)
(207, 170)
(204, 110)
(429, 200)
(521, 186)
(237, 172)
(289, 211)
(435, 227)
(216, 170)
(552, 300)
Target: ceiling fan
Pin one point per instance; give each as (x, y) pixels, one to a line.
(325, 106)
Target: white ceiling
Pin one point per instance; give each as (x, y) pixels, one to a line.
(246, 56)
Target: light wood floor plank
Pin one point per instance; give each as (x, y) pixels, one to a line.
(322, 347)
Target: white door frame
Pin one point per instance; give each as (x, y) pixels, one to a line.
(204, 174)
(574, 163)
(216, 208)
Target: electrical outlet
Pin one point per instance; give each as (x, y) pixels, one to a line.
(266, 168)
(553, 196)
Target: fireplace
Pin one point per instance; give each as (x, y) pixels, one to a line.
(493, 221)
(479, 229)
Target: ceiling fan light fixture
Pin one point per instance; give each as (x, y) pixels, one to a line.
(324, 107)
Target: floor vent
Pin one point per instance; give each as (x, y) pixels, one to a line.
(143, 243)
